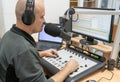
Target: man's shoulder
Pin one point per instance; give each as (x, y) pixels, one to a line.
(1, 80)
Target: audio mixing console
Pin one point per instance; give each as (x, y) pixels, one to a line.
(87, 64)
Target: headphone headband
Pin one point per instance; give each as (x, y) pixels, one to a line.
(30, 5)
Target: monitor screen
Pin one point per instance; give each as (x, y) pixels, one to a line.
(93, 26)
(43, 36)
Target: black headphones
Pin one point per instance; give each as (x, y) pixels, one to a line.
(28, 16)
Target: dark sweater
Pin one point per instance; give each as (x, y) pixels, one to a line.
(19, 58)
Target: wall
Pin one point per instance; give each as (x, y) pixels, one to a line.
(7, 15)
(2, 30)
(53, 9)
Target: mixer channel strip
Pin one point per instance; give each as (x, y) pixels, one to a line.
(87, 64)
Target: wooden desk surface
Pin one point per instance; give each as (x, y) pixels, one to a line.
(99, 46)
(107, 74)
(98, 75)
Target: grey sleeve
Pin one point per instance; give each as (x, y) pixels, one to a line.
(28, 68)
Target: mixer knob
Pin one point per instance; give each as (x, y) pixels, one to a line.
(59, 61)
(85, 65)
(82, 57)
(65, 49)
(76, 54)
(76, 69)
(85, 58)
(60, 58)
(70, 51)
(70, 56)
(81, 66)
(65, 61)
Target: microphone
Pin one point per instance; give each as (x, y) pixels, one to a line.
(70, 11)
(66, 19)
(54, 30)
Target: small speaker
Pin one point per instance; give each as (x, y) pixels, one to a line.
(118, 61)
(111, 64)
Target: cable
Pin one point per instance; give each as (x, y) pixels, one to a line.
(106, 78)
(75, 20)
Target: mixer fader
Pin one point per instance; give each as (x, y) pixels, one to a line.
(86, 64)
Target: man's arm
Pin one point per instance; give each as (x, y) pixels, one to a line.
(70, 67)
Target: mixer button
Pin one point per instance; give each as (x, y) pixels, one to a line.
(59, 58)
(81, 66)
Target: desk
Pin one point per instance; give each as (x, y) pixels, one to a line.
(98, 74)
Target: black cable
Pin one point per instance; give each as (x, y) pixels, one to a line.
(106, 77)
(75, 20)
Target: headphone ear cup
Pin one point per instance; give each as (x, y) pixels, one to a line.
(28, 17)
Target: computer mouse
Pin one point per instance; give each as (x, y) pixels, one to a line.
(90, 81)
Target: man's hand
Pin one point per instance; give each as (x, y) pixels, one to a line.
(72, 65)
(48, 53)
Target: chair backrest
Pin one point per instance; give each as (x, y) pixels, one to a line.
(11, 76)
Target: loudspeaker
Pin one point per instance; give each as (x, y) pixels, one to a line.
(28, 16)
(118, 61)
(111, 64)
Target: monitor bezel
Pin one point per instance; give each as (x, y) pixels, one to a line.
(97, 38)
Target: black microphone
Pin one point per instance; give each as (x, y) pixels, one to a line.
(54, 30)
(68, 14)
(66, 20)
(71, 11)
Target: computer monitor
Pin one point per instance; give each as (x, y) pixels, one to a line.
(92, 26)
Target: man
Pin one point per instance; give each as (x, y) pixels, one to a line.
(19, 58)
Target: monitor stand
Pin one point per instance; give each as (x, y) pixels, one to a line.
(88, 41)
